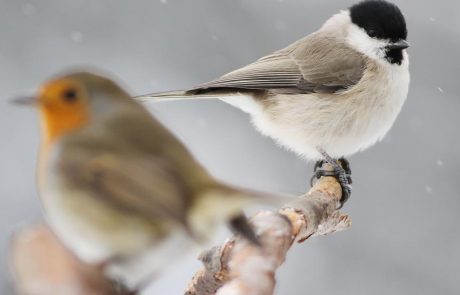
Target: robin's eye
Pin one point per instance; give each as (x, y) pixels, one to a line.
(69, 95)
(372, 33)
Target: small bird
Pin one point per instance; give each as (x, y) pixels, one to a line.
(117, 188)
(329, 95)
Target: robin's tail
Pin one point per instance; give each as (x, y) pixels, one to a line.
(226, 203)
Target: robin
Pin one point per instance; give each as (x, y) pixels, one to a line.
(117, 188)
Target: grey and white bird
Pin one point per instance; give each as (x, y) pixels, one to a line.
(328, 95)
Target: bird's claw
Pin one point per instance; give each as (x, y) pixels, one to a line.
(341, 172)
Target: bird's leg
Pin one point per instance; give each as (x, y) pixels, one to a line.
(341, 171)
(346, 166)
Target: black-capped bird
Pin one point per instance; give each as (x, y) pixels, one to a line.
(328, 95)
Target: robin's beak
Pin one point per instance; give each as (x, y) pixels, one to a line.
(401, 44)
(25, 100)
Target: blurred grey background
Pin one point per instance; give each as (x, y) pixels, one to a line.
(405, 237)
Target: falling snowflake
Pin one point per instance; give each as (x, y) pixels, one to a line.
(440, 163)
(164, 1)
(440, 89)
(428, 189)
(76, 36)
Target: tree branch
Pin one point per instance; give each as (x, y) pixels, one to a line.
(238, 267)
(42, 265)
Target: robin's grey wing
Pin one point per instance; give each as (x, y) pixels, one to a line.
(146, 187)
(312, 64)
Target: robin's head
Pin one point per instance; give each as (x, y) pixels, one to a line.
(69, 102)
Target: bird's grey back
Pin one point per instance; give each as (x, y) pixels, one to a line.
(320, 62)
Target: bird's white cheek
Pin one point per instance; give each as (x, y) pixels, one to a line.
(360, 41)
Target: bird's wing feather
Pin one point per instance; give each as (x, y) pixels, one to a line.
(312, 64)
(145, 187)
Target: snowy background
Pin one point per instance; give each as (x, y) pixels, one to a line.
(405, 237)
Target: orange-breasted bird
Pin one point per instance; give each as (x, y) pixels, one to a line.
(117, 187)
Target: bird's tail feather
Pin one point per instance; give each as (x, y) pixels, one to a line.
(260, 197)
(178, 95)
(238, 222)
(227, 203)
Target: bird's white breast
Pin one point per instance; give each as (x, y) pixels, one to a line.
(92, 230)
(89, 229)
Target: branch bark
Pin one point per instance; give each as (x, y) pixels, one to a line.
(41, 265)
(238, 267)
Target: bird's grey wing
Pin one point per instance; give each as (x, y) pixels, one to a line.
(312, 64)
(145, 187)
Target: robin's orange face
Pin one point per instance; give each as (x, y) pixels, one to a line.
(64, 106)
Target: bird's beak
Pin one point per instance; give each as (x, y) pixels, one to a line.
(401, 44)
(25, 100)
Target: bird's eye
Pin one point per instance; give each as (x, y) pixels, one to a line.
(372, 33)
(69, 95)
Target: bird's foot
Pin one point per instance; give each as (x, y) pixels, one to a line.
(341, 171)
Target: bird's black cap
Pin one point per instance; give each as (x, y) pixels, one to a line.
(380, 19)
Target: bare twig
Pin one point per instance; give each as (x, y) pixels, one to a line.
(238, 267)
